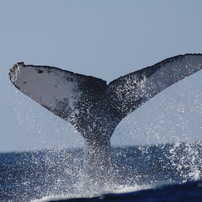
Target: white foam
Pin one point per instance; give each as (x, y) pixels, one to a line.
(48, 198)
(118, 190)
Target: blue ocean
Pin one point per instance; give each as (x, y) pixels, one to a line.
(168, 172)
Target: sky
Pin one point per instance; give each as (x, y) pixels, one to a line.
(106, 39)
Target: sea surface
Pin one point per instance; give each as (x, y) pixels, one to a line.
(168, 172)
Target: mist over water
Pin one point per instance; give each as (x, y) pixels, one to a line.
(34, 175)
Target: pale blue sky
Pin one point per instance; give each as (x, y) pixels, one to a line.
(106, 39)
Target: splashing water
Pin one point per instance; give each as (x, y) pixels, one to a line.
(34, 175)
(186, 158)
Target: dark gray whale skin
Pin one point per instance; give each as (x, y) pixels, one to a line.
(95, 108)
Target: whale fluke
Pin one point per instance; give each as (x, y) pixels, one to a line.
(95, 108)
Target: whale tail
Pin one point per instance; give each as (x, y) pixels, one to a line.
(95, 108)
(91, 105)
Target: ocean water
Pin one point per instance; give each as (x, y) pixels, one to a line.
(168, 172)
